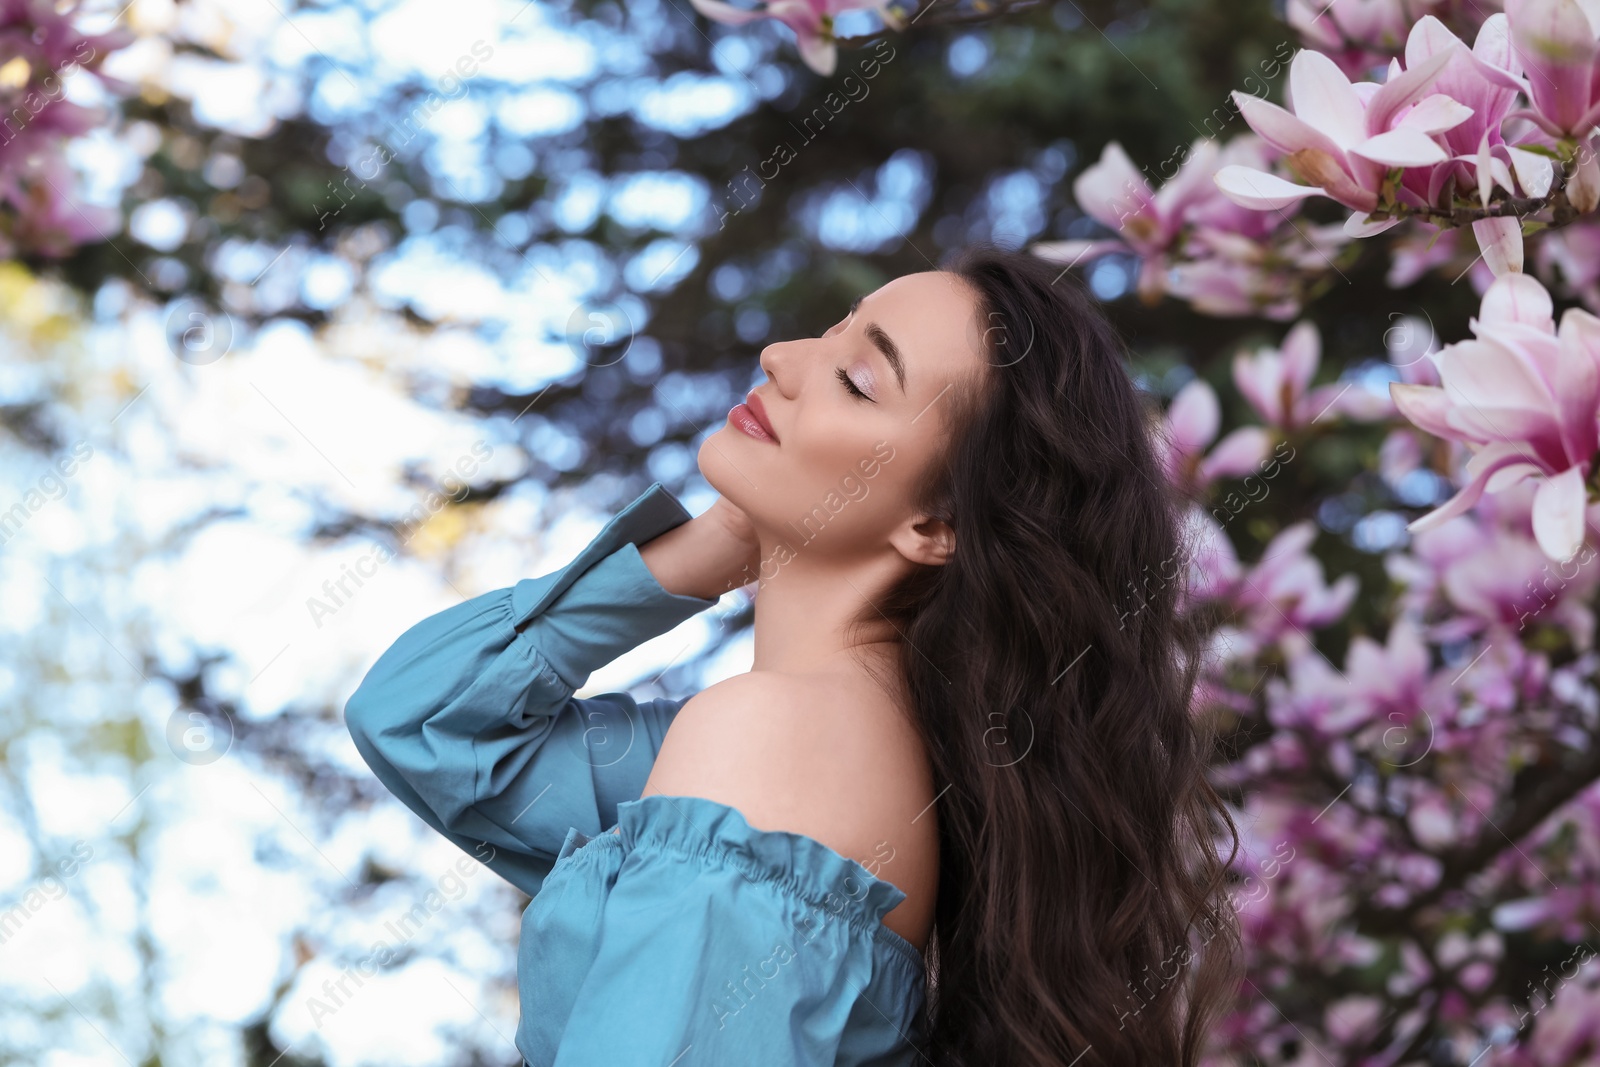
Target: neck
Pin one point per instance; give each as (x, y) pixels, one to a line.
(804, 601)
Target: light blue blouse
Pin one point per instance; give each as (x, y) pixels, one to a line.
(689, 938)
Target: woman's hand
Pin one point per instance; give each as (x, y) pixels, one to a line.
(713, 552)
(741, 529)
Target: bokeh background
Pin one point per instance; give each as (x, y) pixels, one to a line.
(317, 318)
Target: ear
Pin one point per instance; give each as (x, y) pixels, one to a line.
(926, 540)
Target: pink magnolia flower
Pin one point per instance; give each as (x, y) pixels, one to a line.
(39, 45)
(1390, 676)
(1147, 222)
(1523, 397)
(1509, 583)
(1356, 34)
(1435, 821)
(1316, 699)
(1398, 455)
(1228, 285)
(1485, 79)
(811, 21)
(1555, 39)
(1277, 382)
(1216, 217)
(1286, 594)
(1572, 254)
(1233, 272)
(1344, 138)
(1193, 242)
(1214, 573)
(1191, 425)
(49, 220)
(1352, 1019)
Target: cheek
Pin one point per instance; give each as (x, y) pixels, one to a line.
(861, 454)
(841, 441)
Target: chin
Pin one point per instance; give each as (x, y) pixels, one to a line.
(716, 458)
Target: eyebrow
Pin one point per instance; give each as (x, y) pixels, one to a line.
(886, 345)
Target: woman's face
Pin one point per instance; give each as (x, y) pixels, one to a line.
(856, 415)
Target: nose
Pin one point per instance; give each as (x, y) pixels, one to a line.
(773, 358)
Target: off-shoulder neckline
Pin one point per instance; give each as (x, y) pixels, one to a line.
(801, 863)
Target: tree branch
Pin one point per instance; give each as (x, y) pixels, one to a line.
(1532, 803)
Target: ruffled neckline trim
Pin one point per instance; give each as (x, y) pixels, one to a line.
(806, 867)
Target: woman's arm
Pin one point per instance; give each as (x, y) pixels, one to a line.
(469, 717)
(708, 555)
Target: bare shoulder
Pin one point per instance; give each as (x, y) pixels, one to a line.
(818, 757)
(793, 754)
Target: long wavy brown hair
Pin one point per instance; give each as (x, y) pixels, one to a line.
(1081, 914)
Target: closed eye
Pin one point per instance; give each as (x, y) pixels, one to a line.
(851, 386)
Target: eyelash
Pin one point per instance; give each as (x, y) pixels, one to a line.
(850, 385)
(844, 379)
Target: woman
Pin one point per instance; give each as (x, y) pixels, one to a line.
(954, 814)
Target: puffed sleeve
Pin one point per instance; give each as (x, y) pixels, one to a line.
(725, 946)
(472, 723)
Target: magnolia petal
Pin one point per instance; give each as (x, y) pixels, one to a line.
(1583, 188)
(1323, 98)
(1501, 456)
(1510, 475)
(1483, 424)
(1401, 147)
(1194, 416)
(1493, 459)
(1500, 240)
(1580, 335)
(820, 54)
(1360, 224)
(1502, 174)
(1280, 128)
(718, 11)
(1425, 406)
(1259, 190)
(1485, 173)
(1259, 379)
(1285, 546)
(1556, 44)
(1534, 172)
(1113, 190)
(1487, 374)
(1302, 351)
(1318, 607)
(1316, 167)
(1072, 252)
(1578, 382)
(1402, 89)
(1459, 504)
(1429, 37)
(1516, 298)
(1192, 182)
(1586, 122)
(1558, 514)
(1493, 55)
(1522, 914)
(1407, 650)
(1239, 452)
(1436, 114)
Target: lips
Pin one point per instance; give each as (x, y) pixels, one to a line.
(759, 411)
